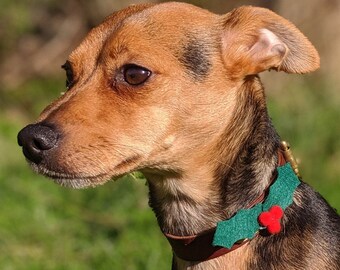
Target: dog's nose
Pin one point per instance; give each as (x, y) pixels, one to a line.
(35, 139)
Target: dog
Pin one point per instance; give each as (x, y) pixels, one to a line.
(173, 90)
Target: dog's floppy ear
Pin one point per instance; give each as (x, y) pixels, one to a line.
(256, 39)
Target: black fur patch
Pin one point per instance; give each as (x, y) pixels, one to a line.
(195, 56)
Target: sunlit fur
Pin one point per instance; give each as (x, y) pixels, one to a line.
(198, 127)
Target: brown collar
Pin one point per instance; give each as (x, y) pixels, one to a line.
(199, 247)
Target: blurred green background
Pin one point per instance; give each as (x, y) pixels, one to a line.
(44, 226)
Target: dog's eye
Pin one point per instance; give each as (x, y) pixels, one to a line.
(69, 74)
(135, 75)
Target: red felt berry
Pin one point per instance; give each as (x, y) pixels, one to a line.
(272, 219)
(276, 211)
(274, 228)
(265, 218)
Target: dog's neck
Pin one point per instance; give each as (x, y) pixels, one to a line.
(240, 166)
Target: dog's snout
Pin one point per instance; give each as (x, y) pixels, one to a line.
(35, 139)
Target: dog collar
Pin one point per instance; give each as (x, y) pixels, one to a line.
(231, 234)
(267, 215)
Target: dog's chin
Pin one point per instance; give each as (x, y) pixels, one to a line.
(76, 181)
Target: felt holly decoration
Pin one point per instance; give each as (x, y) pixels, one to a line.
(272, 219)
(247, 222)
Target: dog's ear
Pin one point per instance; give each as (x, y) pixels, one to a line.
(256, 39)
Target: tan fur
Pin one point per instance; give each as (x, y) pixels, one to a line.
(146, 123)
(184, 122)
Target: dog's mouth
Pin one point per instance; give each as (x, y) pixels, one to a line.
(79, 180)
(73, 180)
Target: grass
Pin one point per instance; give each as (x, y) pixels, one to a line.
(44, 226)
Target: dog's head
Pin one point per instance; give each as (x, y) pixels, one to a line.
(153, 84)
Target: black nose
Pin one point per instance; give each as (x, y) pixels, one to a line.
(35, 139)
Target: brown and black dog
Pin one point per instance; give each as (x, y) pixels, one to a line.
(172, 90)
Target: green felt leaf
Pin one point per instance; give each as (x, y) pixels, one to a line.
(282, 191)
(244, 224)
